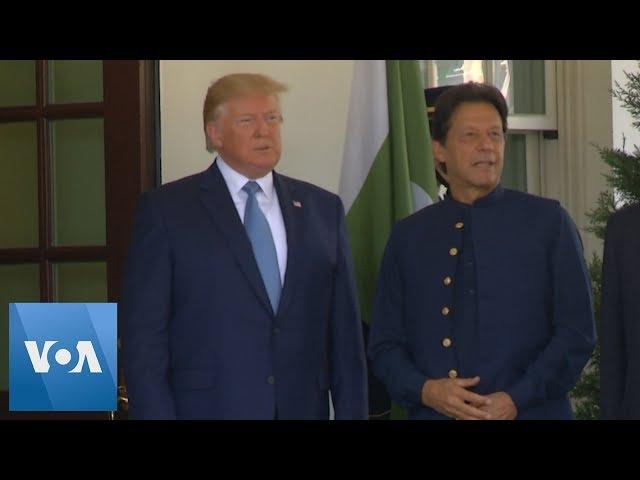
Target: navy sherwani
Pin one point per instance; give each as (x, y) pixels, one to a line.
(498, 289)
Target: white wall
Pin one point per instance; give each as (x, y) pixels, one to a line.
(622, 118)
(315, 115)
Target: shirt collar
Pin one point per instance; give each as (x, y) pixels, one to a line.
(235, 180)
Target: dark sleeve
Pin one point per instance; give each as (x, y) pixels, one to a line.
(388, 349)
(145, 309)
(348, 360)
(558, 366)
(613, 364)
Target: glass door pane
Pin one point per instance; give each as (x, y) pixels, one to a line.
(18, 185)
(77, 151)
(75, 81)
(80, 282)
(17, 83)
(528, 87)
(18, 283)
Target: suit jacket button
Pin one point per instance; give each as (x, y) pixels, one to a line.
(446, 311)
(459, 225)
(446, 342)
(271, 380)
(453, 251)
(447, 280)
(453, 373)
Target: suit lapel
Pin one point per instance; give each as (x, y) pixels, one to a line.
(217, 200)
(292, 216)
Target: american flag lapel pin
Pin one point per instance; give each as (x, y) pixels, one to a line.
(296, 203)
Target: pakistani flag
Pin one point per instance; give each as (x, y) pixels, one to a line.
(387, 169)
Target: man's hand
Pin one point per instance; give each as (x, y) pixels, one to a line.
(501, 407)
(450, 397)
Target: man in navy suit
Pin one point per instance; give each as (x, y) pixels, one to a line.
(239, 298)
(620, 316)
(483, 307)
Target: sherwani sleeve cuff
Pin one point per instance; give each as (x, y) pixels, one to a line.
(522, 393)
(415, 383)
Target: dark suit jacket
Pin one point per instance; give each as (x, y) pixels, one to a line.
(620, 316)
(533, 329)
(200, 338)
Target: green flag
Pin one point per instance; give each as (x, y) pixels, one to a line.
(387, 169)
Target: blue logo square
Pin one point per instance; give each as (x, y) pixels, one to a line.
(62, 356)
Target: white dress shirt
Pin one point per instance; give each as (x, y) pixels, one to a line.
(267, 201)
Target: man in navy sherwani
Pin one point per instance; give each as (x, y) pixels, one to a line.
(239, 299)
(483, 307)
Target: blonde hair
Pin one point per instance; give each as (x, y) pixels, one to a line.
(233, 86)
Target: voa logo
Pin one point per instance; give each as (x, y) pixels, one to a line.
(40, 358)
(63, 357)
